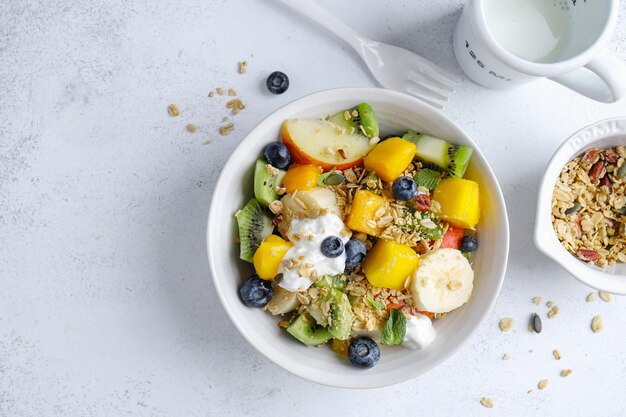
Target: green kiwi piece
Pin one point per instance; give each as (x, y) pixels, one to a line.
(265, 183)
(458, 159)
(341, 316)
(440, 154)
(334, 281)
(364, 122)
(305, 329)
(255, 224)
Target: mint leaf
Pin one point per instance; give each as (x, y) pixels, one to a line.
(376, 304)
(395, 328)
(427, 178)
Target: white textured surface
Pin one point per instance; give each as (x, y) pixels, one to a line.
(106, 303)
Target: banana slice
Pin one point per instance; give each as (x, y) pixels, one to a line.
(442, 282)
(307, 204)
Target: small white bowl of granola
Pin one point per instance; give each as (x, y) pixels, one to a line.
(581, 212)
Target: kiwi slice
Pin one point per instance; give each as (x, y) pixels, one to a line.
(255, 224)
(305, 329)
(438, 153)
(334, 281)
(341, 316)
(265, 182)
(361, 118)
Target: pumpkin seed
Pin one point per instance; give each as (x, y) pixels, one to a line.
(573, 210)
(621, 172)
(535, 323)
(335, 179)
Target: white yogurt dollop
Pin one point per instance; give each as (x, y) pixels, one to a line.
(419, 332)
(307, 236)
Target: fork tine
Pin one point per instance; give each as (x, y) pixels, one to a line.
(437, 73)
(425, 98)
(428, 89)
(438, 77)
(422, 78)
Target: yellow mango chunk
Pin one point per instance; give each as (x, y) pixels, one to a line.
(267, 257)
(362, 213)
(460, 202)
(390, 158)
(389, 264)
(301, 177)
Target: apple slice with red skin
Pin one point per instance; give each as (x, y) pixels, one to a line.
(320, 142)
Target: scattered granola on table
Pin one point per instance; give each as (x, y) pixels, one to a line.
(173, 111)
(589, 206)
(597, 324)
(486, 402)
(505, 324)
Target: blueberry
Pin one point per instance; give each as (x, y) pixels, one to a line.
(468, 244)
(404, 188)
(256, 292)
(332, 247)
(355, 253)
(277, 82)
(363, 352)
(277, 155)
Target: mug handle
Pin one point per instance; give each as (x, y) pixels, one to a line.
(603, 79)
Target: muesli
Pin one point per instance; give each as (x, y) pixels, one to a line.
(589, 206)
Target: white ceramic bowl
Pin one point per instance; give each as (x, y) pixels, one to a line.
(605, 134)
(396, 113)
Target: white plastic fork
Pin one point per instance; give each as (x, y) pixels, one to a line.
(393, 67)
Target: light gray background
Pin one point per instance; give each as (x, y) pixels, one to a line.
(106, 303)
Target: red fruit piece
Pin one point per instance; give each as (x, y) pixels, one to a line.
(452, 238)
(588, 255)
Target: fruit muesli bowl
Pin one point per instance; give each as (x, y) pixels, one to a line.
(396, 113)
(601, 136)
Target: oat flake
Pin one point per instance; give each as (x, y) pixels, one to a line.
(506, 324)
(486, 402)
(173, 111)
(596, 324)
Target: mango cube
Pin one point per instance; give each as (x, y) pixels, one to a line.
(267, 257)
(301, 177)
(390, 158)
(362, 213)
(460, 202)
(388, 264)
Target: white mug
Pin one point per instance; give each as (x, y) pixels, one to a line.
(504, 43)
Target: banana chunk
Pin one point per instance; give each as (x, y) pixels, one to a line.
(443, 281)
(307, 204)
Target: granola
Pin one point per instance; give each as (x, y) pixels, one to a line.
(589, 206)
